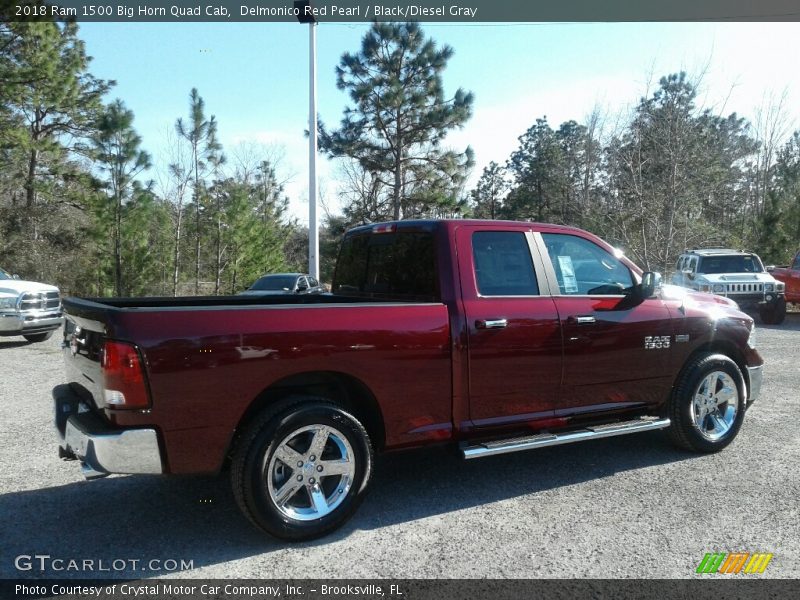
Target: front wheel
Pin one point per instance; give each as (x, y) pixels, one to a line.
(774, 314)
(707, 404)
(301, 471)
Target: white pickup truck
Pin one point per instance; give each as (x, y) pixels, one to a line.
(27, 308)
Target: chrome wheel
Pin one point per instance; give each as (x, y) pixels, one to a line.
(715, 405)
(310, 472)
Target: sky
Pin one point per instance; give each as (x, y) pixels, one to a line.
(254, 79)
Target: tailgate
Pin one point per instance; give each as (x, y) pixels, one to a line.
(86, 324)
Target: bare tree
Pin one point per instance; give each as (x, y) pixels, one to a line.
(173, 184)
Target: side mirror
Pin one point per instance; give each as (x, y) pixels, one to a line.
(651, 283)
(15, 276)
(689, 273)
(302, 287)
(770, 268)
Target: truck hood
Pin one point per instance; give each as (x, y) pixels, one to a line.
(675, 292)
(16, 287)
(736, 277)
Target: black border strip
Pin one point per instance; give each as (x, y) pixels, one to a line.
(732, 587)
(354, 11)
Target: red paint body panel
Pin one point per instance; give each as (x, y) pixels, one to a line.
(514, 372)
(595, 353)
(435, 374)
(790, 276)
(199, 379)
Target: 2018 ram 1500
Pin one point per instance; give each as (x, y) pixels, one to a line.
(493, 336)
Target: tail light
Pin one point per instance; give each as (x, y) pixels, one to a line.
(123, 376)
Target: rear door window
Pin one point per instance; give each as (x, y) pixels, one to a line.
(399, 265)
(503, 264)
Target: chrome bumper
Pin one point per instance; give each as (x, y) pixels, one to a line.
(101, 449)
(13, 323)
(756, 375)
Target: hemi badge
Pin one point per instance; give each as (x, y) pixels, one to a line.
(681, 338)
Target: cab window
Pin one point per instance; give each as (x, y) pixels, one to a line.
(584, 268)
(394, 266)
(503, 264)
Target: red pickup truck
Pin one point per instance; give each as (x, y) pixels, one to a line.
(790, 276)
(493, 336)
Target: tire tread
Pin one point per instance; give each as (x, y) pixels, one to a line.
(678, 432)
(241, 482)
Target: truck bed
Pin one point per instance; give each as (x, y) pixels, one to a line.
(214, 355)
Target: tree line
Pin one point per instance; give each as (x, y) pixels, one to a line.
(80, 206)
(673, 176)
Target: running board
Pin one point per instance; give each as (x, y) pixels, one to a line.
(542, 440)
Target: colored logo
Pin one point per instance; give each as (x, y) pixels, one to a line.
(734, 562)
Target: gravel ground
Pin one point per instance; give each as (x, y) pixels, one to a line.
(630, 506)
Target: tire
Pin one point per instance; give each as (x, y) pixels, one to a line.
(38, 337)
(707, 405)
(774, 315)
(283, 482)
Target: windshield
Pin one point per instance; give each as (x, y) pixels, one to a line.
(275, 283)
(734, 263)
(4, 275)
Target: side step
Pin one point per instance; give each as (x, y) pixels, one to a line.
(542, 440)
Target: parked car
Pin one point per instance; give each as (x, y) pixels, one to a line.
(737, 275)
(790, 277)
(27, 308)
(492, 336)
(284, 283)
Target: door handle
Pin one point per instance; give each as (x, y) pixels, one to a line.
(584, 319)
(491, 323)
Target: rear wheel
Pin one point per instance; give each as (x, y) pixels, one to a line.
(38, 337)
(302, 469)
(774, 314)
(707, 404)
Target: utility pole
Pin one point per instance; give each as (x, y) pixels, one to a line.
(305, 15)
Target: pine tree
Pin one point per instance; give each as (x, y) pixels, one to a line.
(49, 103)
(54, 94)
(117, 150)
(489, 193)
(200, 133)
(400, 118)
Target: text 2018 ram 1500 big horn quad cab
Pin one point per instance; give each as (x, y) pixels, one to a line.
(493, 336)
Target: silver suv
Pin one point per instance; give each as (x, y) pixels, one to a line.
(737, 275)
(27, 308)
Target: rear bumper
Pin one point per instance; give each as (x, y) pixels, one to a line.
(16, 324)
(101, 448)
(755, 375)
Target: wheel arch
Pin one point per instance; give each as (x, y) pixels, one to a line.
(724, 347)
(349, 392)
